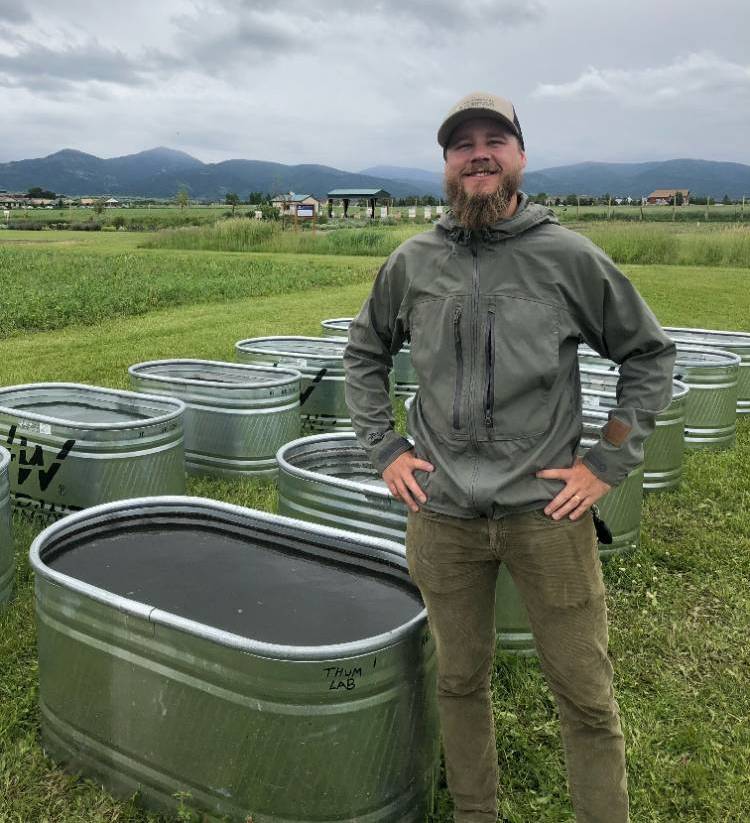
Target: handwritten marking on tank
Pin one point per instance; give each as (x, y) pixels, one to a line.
(342, 678)
(30, 457)
(309, 390)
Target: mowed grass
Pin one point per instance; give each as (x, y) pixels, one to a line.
(679, 606)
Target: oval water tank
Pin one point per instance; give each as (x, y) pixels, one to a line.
(264, 667)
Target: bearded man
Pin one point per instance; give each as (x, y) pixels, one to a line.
(494, 301)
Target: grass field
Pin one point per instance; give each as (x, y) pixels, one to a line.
(679, 607)
(624, 242)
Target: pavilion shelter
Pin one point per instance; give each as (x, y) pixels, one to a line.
(371, 196)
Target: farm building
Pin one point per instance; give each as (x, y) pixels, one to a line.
(370, 196)
(666, 197)
(297, 205)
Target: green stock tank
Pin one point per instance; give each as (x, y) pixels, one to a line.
(243, 664)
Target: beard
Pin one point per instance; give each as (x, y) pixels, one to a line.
(479, 210)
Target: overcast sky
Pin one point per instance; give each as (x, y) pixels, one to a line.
(352, 84)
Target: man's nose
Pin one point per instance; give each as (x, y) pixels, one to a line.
(480, 151)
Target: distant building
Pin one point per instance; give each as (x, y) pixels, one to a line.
(297, 205)
(666, 197)
(369, 196)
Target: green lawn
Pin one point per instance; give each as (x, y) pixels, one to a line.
(679, 607)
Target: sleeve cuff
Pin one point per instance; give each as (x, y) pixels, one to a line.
(387, 450)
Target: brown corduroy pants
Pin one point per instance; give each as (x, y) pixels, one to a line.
(556, 568)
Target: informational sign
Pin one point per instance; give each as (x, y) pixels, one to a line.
(6, 214)
(412, 213)
(305, 211)
(383, 211)
(438, 210)
(258, 215)
(427, 213)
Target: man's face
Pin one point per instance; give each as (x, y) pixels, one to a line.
(483, 169)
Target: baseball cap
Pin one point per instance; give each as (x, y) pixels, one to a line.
(480, 104)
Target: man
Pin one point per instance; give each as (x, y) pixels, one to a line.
(494, 302)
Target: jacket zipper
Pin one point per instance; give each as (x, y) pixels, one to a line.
(459, 368)
(489, 365)
(474, 349)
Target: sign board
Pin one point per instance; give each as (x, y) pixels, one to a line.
(427, 212)
(305, 211)
(438, 210)
(6, 214)
(384, 211)
(412, 213)
(258, 215)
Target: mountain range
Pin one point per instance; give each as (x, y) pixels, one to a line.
(161, 172)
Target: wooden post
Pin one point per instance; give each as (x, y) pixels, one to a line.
(578, 206)
(742, 211)
(674, 207)
(708, 203)
(609, 208)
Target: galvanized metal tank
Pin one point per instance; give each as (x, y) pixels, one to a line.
(320, 362)
(328, 479)
(664, 449)
(736, 342)
(265, 668)
(621, 507)
(710, 406)
(7, 560)
(406, 378)
(710, 412)
(236, 416)
(74, 446)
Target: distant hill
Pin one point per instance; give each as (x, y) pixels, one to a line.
(160, 172)
(702, 177)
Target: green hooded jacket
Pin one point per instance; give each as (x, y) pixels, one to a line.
(494, 320)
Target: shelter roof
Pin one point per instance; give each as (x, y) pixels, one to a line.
(359, 193)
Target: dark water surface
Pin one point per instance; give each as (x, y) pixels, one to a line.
(230, 582)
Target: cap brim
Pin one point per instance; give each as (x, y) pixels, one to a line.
(452, 123)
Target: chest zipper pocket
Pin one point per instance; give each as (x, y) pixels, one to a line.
(489, 365)
(459, 368)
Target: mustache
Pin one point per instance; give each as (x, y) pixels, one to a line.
(481, 165)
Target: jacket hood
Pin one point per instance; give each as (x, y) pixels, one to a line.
(527, 216)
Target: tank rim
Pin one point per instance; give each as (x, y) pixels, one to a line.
(386, 550)
(178, 407)
(271, 350)
(139, 370)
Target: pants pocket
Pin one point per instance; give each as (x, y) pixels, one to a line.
(556, 560)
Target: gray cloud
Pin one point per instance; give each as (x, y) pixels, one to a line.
(38, 67)
(452, 15)
(14, 11)
(697, 74)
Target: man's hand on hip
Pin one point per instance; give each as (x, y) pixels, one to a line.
(582, 489)
(400, 480)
